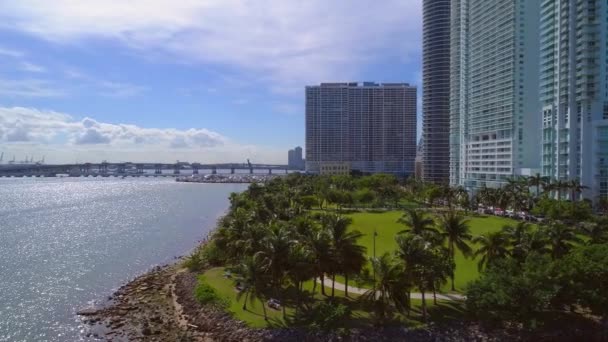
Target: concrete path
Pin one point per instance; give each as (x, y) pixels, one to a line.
(414, 295)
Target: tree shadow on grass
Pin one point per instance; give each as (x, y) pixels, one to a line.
(444, 311)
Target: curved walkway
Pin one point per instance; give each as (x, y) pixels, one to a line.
(413, 295)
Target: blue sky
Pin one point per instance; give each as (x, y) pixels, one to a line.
(216, 80)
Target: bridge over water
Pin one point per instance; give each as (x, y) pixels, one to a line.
(106, 169)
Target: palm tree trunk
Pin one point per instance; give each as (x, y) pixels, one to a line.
(454, 271)
(434, 295)
(264, 308)
(323, 284)
(409, 303)
(333, 284)
(245, 303)
(283, 306)
(423, 306)
(346, 285)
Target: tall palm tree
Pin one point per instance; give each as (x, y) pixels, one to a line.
(517, 234)
(274, 254)
(251, 276)
(575, 188)
(455, 229)
(417, 222)
(538, 181)
(562, 238)
(493, 246)
(391, 285)
(349, 257)
(300, 268)
(536, 241)
(559, 186)
(318, 242)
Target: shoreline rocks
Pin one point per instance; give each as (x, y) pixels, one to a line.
(160, 306)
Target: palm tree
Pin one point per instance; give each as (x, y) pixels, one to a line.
(390, 285)
(575, 188)
(562, 238)
(426, 264)
(493, 246)
(274, 254)
(559, 186)
(538, 181)
(417, 222)
(455, 229)
(411, 250)
(517, 234)
(252, 278)
(349, 257)
(300, 268)
(535, 241)
(320, 247)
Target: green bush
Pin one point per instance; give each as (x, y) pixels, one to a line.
(508, 290)
(206, 294)
(195, 262)
(325, 316)
(212, 254)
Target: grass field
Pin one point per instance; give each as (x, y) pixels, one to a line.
(254, 317)
(387, 227)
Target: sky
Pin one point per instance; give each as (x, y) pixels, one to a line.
(188, 80)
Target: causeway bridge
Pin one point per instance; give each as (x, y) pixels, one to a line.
(127, 169)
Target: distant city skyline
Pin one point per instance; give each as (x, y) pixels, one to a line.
(200, 81)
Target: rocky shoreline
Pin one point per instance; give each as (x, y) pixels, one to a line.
(160, 306)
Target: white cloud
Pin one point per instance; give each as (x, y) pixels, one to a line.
(61, 137)
(29, 88)
(10, 52)
(30, 67)
(285, 43)
(117, 89)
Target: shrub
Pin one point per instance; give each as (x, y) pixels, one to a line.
(206, 294)
(508, 290)
(212, 254)
(325, 316)
(195, 261)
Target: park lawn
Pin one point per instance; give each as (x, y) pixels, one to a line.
(387, 227)
(253, 316)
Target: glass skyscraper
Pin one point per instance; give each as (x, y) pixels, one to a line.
(494, 106)
(436, 90)
(574, 92)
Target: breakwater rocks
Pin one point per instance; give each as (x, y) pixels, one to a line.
(144, 309)
(160, 306)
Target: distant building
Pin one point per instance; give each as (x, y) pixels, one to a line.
(294, 159)
(436, 90)
(335, 168)
(369, 126)
(494, 106)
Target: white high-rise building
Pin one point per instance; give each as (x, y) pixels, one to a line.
(574, 93)
(366, 127)
(494, 121)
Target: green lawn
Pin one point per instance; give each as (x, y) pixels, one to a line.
(387, 227)
(361, 317)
